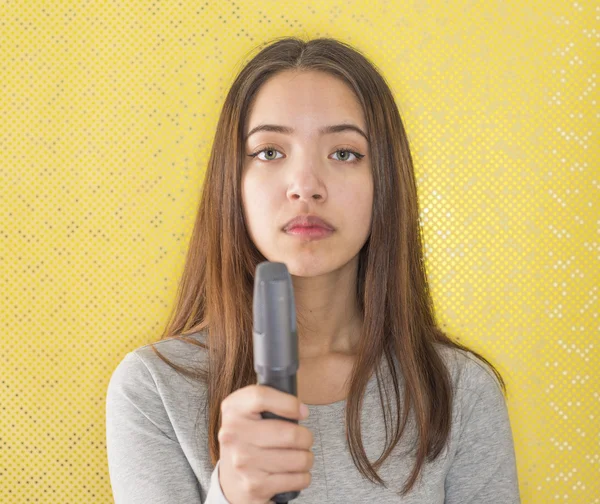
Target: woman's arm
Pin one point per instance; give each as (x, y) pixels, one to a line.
(145, 460)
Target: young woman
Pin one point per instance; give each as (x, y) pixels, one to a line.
(310, 167)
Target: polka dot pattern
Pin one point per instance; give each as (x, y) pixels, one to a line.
(107, 115)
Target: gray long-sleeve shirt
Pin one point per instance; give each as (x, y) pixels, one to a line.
(156, 433)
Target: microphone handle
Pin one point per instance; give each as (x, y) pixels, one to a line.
(284, 384)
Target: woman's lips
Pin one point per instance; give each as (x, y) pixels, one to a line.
(311, 232)
(308, 221)
(309, 227)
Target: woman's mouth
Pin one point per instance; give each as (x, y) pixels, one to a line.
(310, 232)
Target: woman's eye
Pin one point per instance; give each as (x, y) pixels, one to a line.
(343, 155)
(346, 154)
(269, 152)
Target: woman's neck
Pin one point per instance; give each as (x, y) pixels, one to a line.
(327, 312)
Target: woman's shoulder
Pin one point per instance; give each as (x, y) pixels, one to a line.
(146, 396)
(145, 368)
(186, 350)
(468, 372)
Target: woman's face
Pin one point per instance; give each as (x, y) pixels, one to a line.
(307, 172)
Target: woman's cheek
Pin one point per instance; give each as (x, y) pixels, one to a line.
(261, 204)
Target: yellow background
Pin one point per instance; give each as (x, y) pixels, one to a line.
(107, 115)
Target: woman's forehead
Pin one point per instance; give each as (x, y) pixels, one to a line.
(295, 107)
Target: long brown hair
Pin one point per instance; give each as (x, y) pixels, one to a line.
(215, 291)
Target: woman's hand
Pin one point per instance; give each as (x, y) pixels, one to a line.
(262, 457)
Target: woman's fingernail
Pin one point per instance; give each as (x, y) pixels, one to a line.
(304, 410)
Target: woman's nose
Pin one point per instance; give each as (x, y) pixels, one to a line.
(305, 184)
(304, 195)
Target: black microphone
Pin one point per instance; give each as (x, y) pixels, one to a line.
(275, 337)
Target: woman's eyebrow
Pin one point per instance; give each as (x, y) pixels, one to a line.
(336, 128)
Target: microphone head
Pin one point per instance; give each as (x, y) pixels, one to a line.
(274, 320)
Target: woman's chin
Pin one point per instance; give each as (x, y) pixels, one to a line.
(312, 267)
(302, 266)
(311, 263)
